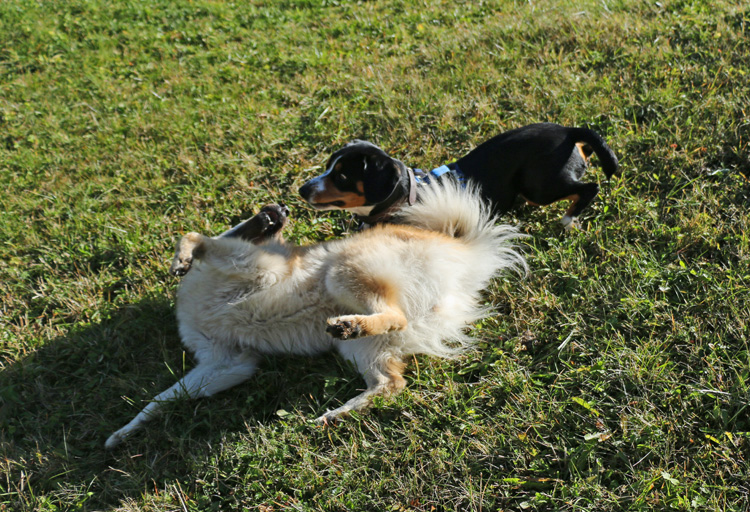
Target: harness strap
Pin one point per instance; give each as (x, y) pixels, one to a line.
(412, 186)
(426, 178)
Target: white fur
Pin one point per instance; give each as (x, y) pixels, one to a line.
(362, 211)
(569, 223)
(241, 300)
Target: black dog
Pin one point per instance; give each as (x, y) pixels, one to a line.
(540, 162)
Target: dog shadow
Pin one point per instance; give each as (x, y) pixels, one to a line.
(59, 404)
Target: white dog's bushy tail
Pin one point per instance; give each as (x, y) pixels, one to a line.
(487, 250)
(462, 212)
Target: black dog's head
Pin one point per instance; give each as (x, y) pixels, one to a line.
(357, 178)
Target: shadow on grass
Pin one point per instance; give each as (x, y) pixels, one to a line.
(60, 403)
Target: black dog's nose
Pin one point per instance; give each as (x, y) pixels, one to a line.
(284, 209)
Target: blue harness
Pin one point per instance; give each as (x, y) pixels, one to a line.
(426, 178)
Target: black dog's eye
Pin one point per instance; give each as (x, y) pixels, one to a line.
(341, 179)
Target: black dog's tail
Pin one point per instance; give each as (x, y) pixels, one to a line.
(596, 143)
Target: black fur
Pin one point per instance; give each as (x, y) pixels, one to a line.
(539, 162)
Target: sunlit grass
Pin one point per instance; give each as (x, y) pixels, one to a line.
(613, 377)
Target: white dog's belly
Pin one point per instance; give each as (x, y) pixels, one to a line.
(265, 323)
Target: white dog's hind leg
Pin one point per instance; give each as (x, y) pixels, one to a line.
(383, 379)
(205, 379)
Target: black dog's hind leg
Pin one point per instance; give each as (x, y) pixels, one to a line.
(581, 194)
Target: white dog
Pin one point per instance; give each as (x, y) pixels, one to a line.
(376, 297)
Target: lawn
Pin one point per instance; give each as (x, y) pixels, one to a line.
(614, 376)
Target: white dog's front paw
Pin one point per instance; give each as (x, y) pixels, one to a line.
(188, 248)
(344, 327)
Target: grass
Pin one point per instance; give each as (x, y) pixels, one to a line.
(613, 377)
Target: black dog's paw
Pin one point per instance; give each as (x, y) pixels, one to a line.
(343, 329)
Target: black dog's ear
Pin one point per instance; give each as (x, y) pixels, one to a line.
(353, 147)
(354, 142)
(381, 176)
